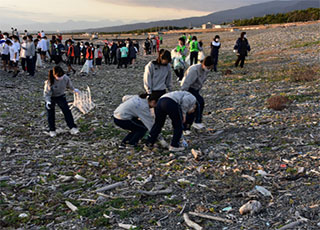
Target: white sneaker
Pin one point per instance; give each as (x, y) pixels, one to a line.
(198, 125)
(52, 133)
(74, 131)
(176, 149)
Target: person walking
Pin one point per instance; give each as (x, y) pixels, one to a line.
(194, 51)
(242, 48)
(215, 46)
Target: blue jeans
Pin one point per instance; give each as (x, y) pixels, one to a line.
(137, 128)
(167, 106)
(63, 104)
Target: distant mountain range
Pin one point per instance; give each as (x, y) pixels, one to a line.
(255, 10)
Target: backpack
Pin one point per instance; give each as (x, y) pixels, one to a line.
(100, 54)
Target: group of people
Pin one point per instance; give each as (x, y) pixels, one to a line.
(140, 114)
(34, 52)
(152, 45)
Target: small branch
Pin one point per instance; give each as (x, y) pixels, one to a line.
(154, 193)
(190, 223)
(109, 187)
(292, 225)
(210, 217)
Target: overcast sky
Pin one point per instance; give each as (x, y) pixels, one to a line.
(28, 11)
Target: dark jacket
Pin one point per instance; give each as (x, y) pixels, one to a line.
(77, 51)
(215, 46)
(242, 46)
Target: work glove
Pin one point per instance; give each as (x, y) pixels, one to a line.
(48, 103)
(76, 91)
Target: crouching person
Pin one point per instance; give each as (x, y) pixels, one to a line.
(176, 105)
(54, 93)
(134, 115)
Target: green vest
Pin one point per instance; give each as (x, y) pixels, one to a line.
(179, 48)
(194, 46)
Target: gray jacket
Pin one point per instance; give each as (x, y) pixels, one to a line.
(30, 49)
(135, 107)
(57, 89)
(157, 77)
(185, 99)
(194, 78)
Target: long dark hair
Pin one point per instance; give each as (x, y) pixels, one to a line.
(149, 97)
(50, 77)
(58, 71)
(163, 55)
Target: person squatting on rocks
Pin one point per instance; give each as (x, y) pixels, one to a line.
(182, 50)
(157, 75)
(215, 46)
(192, 82)
(54, 93)
(177, 105)
(194, 50)
(242, 48)
(134, 115)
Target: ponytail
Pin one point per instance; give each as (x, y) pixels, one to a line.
(50, 77)
(149, 97)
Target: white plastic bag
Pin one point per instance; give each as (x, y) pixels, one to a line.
(201, 56)
(178, 62)
(38, 62)
(85, 67)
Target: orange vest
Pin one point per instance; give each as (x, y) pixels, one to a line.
(89, 53)
(71, 51)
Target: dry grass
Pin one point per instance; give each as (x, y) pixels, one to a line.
(278, 102)
(305, 74)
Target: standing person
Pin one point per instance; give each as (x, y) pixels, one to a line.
(194, 50)
(89, 57)
(14, 57)
(54, 93)
(5, 55)
(35, 57)
(182, 50)
(70, 56)
(113, 53)
(147, 48)
(176, 105)
(215, 46)
(192, 82)
(30, 54)
(134, 115)
(242, 48)
(157, 75)
(106, 54)
(161, 40)
(124, 51)
(99, 56)
(77, 54)
(53, 50)
(23, 54)
(82, 53)
(154, 45)
(158, 44)
(42, 45)
(132, 54)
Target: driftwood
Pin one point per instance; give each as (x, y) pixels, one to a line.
(210, 217)
(127, 226)
(292, 225)
(71, 206)
(109, 187)
(154, 193)
(190, 223)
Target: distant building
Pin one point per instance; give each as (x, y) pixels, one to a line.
(207, 26)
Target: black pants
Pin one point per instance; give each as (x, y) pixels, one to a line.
(194, 58)
(107, 59)
(241, 59)
(62, 103)
(215, 62)
(77, 60)
(179, 73)
(123, 61)
(23, 64)
(114, 58)
(167, 106)
(30, 66)
(199, 109)
(137, 128)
